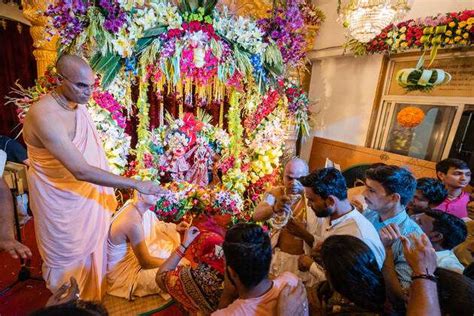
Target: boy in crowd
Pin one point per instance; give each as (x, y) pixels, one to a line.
(388, 191)
(429, 194)
(455, 175)
(247, 288)
(445, 232)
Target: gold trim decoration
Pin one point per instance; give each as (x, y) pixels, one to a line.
(44, 45)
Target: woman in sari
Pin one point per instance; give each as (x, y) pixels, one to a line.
(198, 286)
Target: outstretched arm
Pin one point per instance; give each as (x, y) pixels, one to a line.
(54, 138)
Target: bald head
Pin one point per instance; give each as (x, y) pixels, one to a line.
(295, 169)
(70, 65)
(297, 163)
(77, 78)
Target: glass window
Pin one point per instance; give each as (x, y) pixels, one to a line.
(419, 131)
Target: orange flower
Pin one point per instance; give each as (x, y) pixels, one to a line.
(410, 116)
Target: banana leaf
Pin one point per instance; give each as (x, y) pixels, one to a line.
(148, 37)
(107, 65)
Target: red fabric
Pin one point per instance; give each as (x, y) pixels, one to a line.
(16, 63)
(27, 296)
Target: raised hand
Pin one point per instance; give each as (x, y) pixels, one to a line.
(190, 235)
(66, 293)
(389, 234)
(293, 301)
(419, 254)
(282, 205)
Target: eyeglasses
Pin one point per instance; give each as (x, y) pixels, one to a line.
(78, 85)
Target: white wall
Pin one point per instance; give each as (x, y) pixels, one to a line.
(344, 87)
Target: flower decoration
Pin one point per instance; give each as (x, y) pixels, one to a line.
(443, 30)
(286, 27)
(175, 147)
(298, 106)
(184, 199)
(69, 18)
(410, 117)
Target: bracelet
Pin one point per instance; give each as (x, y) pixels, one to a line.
(185, 248)
(426, 277)
(179, 252)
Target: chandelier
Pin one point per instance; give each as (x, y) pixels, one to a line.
(365, 19)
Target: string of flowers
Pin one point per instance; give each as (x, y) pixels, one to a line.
(443, 30)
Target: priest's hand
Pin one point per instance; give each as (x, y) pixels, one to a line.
(150, 188)
(15, 249)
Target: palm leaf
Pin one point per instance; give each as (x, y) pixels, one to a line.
(142, 44)
(104, 62)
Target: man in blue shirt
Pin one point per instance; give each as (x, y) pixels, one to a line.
(388, 191)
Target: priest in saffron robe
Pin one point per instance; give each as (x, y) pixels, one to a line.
(70, 184)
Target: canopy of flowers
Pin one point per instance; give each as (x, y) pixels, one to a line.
(200, 58)
(444, 30)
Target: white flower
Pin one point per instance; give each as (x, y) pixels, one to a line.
(199, 54)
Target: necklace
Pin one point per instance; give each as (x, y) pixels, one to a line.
(61, 101)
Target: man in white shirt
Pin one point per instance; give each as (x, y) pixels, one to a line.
(445, 232)
(7, 236)
(326, 192)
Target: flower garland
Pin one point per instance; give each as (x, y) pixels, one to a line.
(298, 106)
(116, 142)
(444, 30)
(184, 199)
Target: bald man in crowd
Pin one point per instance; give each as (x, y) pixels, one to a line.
(296, 237)
(70, 183)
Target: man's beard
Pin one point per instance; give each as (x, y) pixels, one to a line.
(323, 212)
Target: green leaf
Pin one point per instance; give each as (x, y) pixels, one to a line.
(210, 4)
(142, 44)
(155, 31)
(108, 65)
(110, 74)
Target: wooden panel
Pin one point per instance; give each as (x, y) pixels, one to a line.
(461, 84)
(347, 155)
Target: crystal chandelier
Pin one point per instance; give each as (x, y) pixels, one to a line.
(365, 19)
